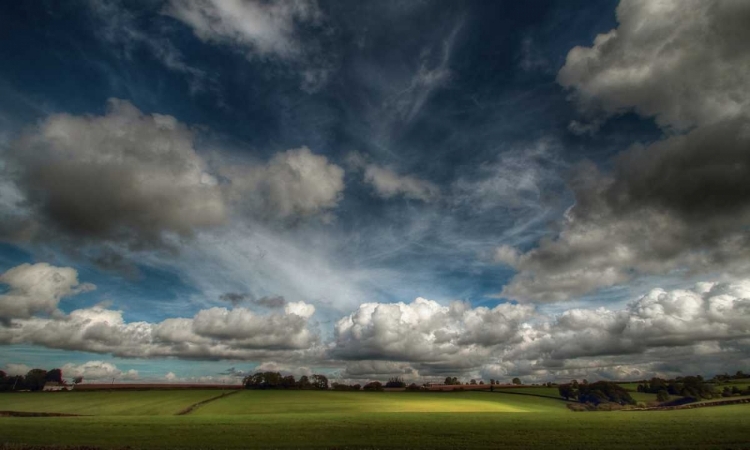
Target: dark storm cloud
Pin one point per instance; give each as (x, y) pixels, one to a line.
(702, 176)
(125, 176)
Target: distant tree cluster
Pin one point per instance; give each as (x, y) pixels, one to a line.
(274, 380)
(345, 387)
(395, 382)
(451, 381)
(34, 380)
(740, 375)
(373, 386)
(692, 386)
(596, 393)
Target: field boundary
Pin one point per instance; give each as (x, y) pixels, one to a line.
(500, 391)
(195, 406)
(35, 414)
(738, 401)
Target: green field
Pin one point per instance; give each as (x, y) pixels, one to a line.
(308, 419)
(102, 403)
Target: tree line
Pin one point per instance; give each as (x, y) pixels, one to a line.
(595, 393)
(34, 380)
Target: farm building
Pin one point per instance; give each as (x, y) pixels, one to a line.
(52, 386)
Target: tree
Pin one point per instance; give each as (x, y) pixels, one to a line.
(54, 375)
(662, 396)
(567, 392)
(395, 382)
(492, 381)
(288, 382)
(373, 386)
(78, 380)
(516, 381)
(473, 381)
(451, 380)
(319, 382)
(35, 379)
(481, 382)
(304, 382)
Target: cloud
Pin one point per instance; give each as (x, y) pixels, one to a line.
(367, 370)
(271, 366)
(682, 62)
(678, 204)
(214, 333)
(433, 73)
(120, 28)
(37, 288)
(98, 371)
(136, 179)
(677, 318)
(270, 302)
(424, 331)
(16, 369)
(674, 206)
(260, 29)
(124, 176)
(426, 339)
(388, 183)
(263, 27)
(293, 184)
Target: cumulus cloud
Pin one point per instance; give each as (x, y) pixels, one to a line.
(214, 333)
(125, 175)
(677, 205)
(37, 288)
(293, 184)
(424, 331)
(98, 371)
(427, 339)
(680, 203)
(682, 62)
(132, 178)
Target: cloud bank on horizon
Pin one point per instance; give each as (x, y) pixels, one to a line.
(290, 186)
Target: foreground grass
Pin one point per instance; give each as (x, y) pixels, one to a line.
(105, 403)
(279, 420)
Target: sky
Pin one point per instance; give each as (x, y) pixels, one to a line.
(198, 190)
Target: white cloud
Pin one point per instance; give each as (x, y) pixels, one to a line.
(388, 183)
(272, 366)
(683, 62)
(425, 331)
(35, 288)
(214, 333)
(428, 339)
(262, 27)
(97, 371)
(293, 184)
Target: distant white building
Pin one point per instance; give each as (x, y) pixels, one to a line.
(52, 386)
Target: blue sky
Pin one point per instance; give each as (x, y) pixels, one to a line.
(542, 189)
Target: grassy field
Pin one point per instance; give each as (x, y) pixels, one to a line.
(377, 420)
(105, 403)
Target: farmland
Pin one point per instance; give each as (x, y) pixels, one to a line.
(308, 419)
